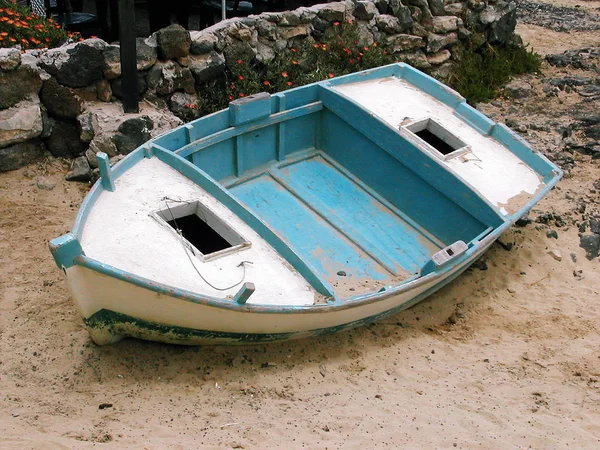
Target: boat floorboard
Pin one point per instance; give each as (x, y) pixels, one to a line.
(351, 238)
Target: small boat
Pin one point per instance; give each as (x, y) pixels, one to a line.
(297, 214)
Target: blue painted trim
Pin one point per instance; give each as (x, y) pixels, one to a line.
(231, 132)
(188, 296)
(391, 70)
(475, 118)
(249, 109)
(432, 87)
(522, 150)
(65, 249)
(105, 173)
(244, 293)
(221, 194)
(281, 129)
(148, 153)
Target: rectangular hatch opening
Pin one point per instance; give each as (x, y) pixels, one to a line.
(202, 232)
(442, 141)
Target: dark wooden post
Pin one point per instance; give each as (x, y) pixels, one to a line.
(129, 79)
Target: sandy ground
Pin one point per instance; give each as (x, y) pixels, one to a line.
(506, 357)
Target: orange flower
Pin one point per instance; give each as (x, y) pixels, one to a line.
(10, 21)
(294, 62)
(242, 94)
(375, 44)
(266, 83)
(336, 24)
(350, 21)
(351, 61)
(293, 50)
(240, 77)
(284, 74)
(12, 39)
(25, 41)
(239, 61)
(4, 33)
(47, 39)
(230, 97)
(315, 45)
(330, 75)
(289, 83)
(1, 38)
(366, 48)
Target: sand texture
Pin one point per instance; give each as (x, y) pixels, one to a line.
(506, 356)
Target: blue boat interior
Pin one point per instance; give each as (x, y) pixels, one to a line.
(358, 205)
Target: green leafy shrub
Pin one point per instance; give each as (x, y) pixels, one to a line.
(20, 26)
(481, 71)
(340, 52)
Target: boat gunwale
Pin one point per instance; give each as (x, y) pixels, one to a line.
(150, 149)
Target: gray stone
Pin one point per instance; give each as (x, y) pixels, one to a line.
(443, 72)
(436, 7)
(404, 42)
(19, 155)
(20, 123)
(44, 184)
(501, 21)
(402, 13)
(388, 24)
(80, 170)
(64, 141)
(241, 33)
(333, 12)
(590, 242)
(133, 133)
(264, 53)
(202, 42)
(381, 5)
(103, 143)
(61, 101)
(207, 67)
(47, 123)
(85, 124)
(10, 58)
(146, 54)
(365, 10)
(306, 15)
(365, 36)
(239, 50)
(455, 9)
(288, 33)
(185, 106)
(445, 24)
(168, 77)
(91, 157)
(112, 62)
(595, 225)
(414, 58)
(173, 42)
(103, 90)
(436, 42)
(518, 89)
(289, 19)
(18, 84)
(438, 58)
(266, 29)
(75, 65)
(516, 125)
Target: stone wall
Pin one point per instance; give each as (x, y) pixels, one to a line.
(66, 100)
